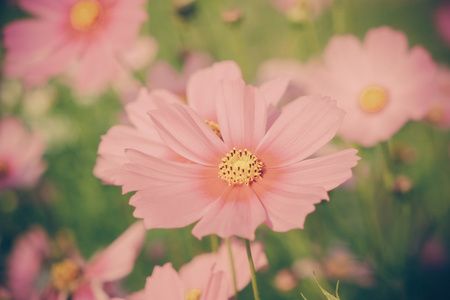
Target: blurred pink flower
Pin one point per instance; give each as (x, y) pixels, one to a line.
(21, 163)
(31, 256)
(207, 276)
(302, 10)
(379, 83)
(439, 113)
(292, 69)
(201, 89)
(240, 173)
(25, 264)
(163, 76)
(341, 264)
(442, 21)
(87, 37)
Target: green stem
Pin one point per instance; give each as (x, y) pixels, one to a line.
(214, 240)
(233, 270)
(252, 270)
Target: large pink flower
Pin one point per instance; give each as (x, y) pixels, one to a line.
(70, 275)
(207, 276)
(88, 37)
(249, 174)
(200, 92)
(379, 83)
(21, 163)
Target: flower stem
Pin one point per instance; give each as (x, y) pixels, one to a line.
(214, 240)
(252, 270)
(233, 270)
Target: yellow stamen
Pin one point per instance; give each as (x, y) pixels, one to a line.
(193, 294)
(240, 166)
(215, 127)
(65, 275)
(84, 14)
(373, 98)
(4, 169)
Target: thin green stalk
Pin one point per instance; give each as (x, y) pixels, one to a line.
(214, 240)
(233, 270)
(252, 270)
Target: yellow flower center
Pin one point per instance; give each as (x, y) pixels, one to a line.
(215, 127)
(4, 168)
(193, 294)
(240, 166)
(65, 275)
(373, 98)
(84, 14)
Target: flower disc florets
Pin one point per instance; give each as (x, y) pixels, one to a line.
(240, 166)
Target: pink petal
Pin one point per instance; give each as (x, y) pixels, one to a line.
(303, 127)
(197, 273)
(238, 212)
(164, 284)
(216, 288)
(386, 48)
(170, 195)
(287, 205)
(112, 151)
(327, 171)
(26, 262)
(117, 261)
(97, 67)
(242, 114)
(273, 90)
(195, 61)
(137, 111)
(202, 87)
(188, 135)
(139, 295)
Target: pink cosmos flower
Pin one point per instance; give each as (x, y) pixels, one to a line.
(142, 136)
(243, 171)
(442, 21)
(379, 83)
(439, 113)
(21, 163)
(88, 37)
(206, 277)
(70, 275)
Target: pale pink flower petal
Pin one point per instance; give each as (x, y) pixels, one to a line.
(164, 283)
(25, 263)
(186, 200)
(273, 90)
(304, 126)
(236, 203)
(242, 114)
(202, 87)
(192, 139)
(117, 261)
